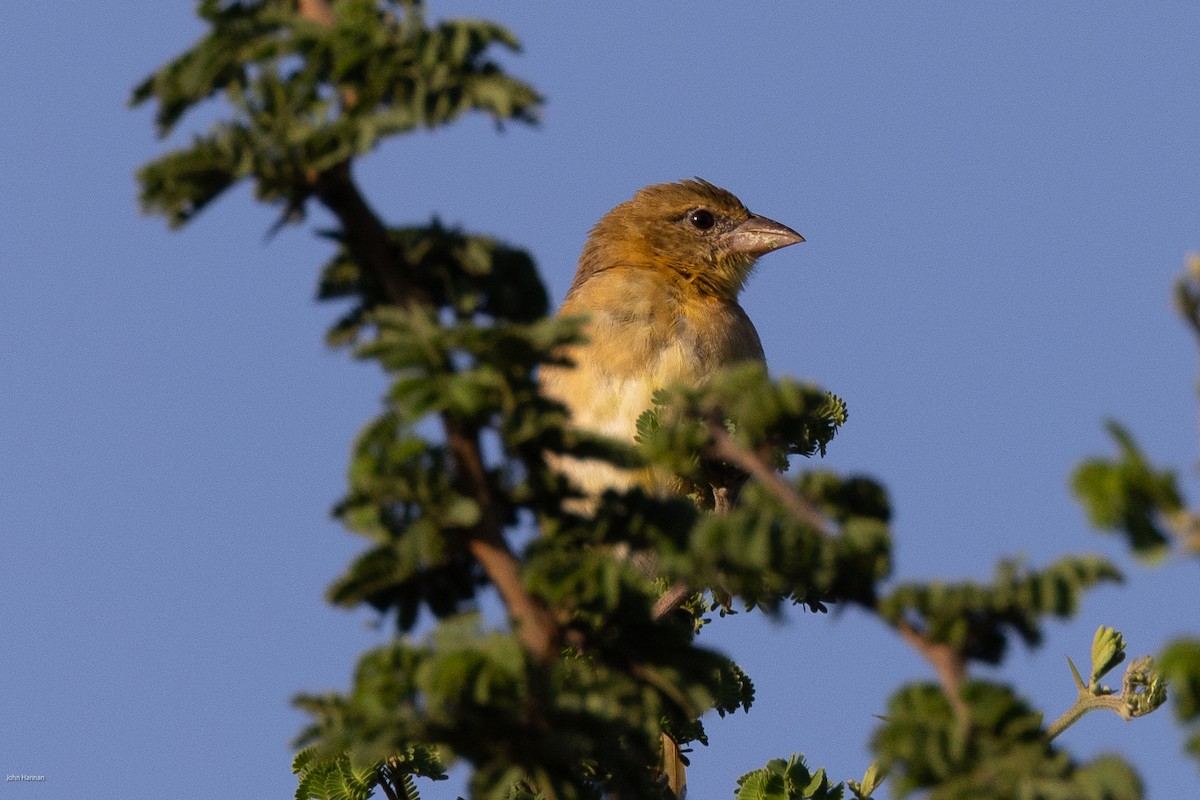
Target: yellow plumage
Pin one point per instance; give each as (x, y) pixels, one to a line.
(658, 281)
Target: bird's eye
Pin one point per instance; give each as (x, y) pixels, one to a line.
(702, 218)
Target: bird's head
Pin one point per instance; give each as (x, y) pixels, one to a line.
(698, 232)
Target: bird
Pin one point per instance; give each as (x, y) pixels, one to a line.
(657, 283)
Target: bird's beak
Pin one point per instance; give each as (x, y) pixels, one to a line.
(759, 235)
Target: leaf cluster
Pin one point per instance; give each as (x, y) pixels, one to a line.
(470, 274)
(764, 555)
(1002, 753)
(772, 418)
(1130, 495)
(1127, 494)
(338, 777)
(567, 728)
(307, 97)
(788, 780)
(1180, 663)
(1143, 686)
(976, 620)
(403, 495)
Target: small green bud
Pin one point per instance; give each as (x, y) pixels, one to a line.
(1144, 688)
(1108, 650)
(862, 790)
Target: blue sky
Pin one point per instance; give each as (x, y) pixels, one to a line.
(996, 199)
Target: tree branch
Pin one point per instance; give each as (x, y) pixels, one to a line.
(725, 448)
(538, 630)
(723, 502)
(387, 789)
(947, 662)
(368, 239)
(318, 11)
(669, 601)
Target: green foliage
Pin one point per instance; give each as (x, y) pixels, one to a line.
(764, 555)
(844, 499)
(976, 620)
(1002, 753)
(307, 97)
(872, 779)
(460, 454)
(1143, 688)
(792, 780)
(1128, 495)
(475, 275)
(335, 778)
(565, 728)
(402, 495)
(625, 675)
(787, 780)
(791, 416)
(1180, 663)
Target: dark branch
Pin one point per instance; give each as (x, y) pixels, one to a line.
(726, 449)
(368, 239)
(485, 541)
(948, 663)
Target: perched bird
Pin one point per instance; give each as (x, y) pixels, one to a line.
(658, 281)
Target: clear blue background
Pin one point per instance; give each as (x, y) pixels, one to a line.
(996, 198)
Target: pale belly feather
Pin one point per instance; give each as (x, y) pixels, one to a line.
(638, 343)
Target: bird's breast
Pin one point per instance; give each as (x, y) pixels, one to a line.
(644, 333)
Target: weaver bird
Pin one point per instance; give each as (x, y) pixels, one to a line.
(658, 282)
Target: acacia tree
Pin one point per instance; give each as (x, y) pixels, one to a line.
(570, 696)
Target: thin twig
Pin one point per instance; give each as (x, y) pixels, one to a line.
(947, 662)
(725, 448)
(723, 503)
